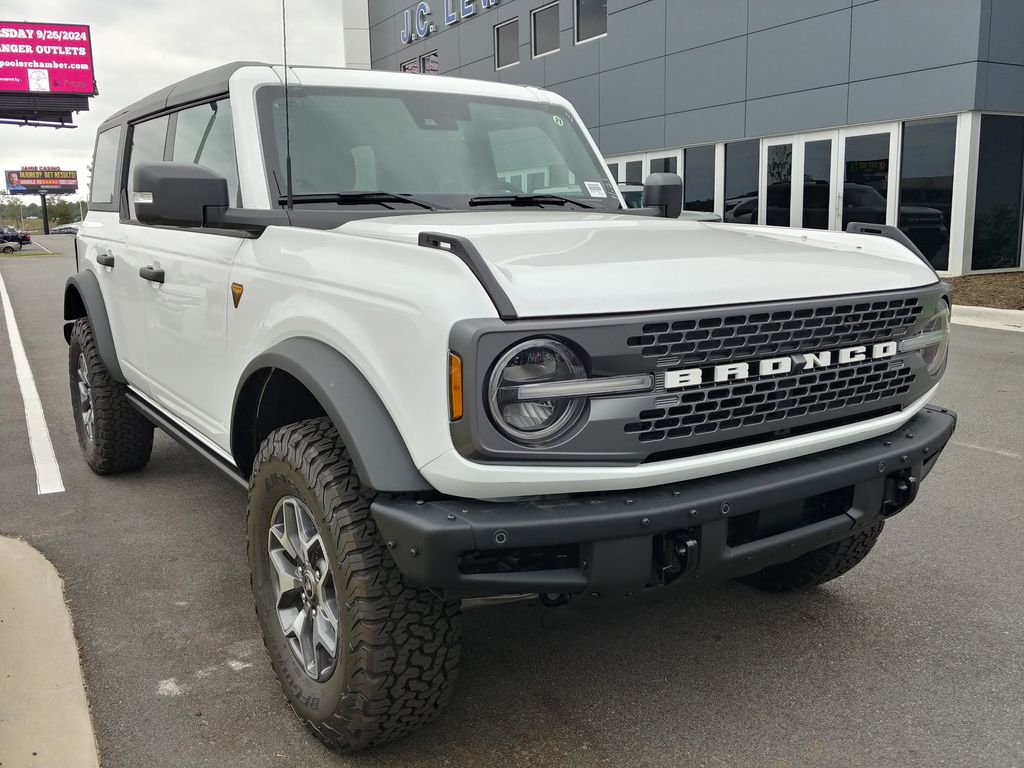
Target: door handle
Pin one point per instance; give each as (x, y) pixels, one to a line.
(154, 275)
(105, 259)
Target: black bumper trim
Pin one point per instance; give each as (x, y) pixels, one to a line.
(615, 530)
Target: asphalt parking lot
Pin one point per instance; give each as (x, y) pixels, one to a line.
(915, 658)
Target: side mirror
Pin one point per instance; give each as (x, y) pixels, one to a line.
(177, 194)
(664, 191)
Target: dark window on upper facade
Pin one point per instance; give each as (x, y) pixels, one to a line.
(664, 165)
(997, 208)
(699, 179)
(545, 30)
(430, 63)
(741, 181)
(148, 141)
(591, 19)
(203, 135)
(506, 44)
(926, 186)
(411, 67)
(104, 163)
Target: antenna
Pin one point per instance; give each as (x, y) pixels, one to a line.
(287, 123)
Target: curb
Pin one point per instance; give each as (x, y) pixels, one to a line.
(987, 317)
(44, 720)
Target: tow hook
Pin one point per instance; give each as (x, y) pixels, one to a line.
(900, 494)
(678, 557)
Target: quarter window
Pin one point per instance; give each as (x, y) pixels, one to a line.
(104, 165)
(591, 19)
(203, 135)
(506, 44)
(545, 30)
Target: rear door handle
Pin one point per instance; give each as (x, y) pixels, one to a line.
(106, 260)
(151, 274)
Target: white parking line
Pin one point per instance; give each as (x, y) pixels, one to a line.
(48, 479)
(997, 451)
(37, 243)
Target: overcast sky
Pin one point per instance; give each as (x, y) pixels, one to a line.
(141, 46)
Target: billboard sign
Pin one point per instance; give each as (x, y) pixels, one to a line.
(46, 58)
(35, 180)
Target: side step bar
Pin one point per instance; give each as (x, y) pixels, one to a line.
(182, 435)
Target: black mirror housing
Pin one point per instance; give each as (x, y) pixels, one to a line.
(176, 194)
(665, 192)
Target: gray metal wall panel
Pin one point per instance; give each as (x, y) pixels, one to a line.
(633, 136)
(691, 23)
(633, 92)
(527, 72)
(585, 95)
(384, 38)
(480, 70)
(635, 35)
(571, 61)
(915, 94)
(706, 76)
(383, 9)
(1001, 87)
(778, 12)
(799, 56)
(478, 44)
(894, 36)
(702, 126)
(797, 112)
(1006, 34)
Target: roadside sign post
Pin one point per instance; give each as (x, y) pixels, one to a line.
(46, 216)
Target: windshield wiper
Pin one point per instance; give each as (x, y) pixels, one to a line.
(360, 198)
(525, 200)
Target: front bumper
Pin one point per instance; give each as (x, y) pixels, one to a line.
(612, 545)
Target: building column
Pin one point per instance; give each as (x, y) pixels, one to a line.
(965, 181)
(355, 22)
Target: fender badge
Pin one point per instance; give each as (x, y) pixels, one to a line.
(236, 293)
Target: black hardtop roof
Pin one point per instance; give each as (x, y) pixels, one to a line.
(212, 82)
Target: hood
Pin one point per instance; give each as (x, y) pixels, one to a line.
(570, 263)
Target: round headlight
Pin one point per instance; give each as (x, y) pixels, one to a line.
(521, 414)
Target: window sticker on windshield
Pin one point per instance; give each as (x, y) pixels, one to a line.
(595, 189)
(558, 121)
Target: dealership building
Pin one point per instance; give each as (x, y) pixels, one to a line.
(904, 112)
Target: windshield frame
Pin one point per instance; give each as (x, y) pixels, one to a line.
(265, 94)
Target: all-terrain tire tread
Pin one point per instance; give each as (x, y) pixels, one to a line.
(819, 565)
(122, 437)
(403, 641)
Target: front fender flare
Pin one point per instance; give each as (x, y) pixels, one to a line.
(83, 298)
(378, 452)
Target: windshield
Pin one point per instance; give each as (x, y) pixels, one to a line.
(440, 147)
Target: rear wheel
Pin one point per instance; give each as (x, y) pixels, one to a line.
(817, 566)
(8, 249)
(362, 656)
(114, 437)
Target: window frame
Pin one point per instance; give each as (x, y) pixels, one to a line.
(533, 29)
(115, 203)
(497, 67)
(416, 61)
(422, 56)
(576, 26)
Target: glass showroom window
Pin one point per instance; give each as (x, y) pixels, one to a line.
(926, 186)
(545, 30)
(664, 164)
(741, 181)
(635, 172)
(591, 19)
(699, 178)
(506, 44)
(817, 183)
(997, 207)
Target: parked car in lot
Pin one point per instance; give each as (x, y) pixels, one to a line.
(65, 229)
(12, 235)
(9, 246)
(435, 388)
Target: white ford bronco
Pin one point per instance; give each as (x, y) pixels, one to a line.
(414, 318)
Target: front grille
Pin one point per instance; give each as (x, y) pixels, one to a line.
(735, 405)
(766, 334)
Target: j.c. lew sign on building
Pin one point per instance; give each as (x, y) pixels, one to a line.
(419, 23)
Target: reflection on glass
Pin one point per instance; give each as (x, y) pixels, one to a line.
(699, 179)
(411, 67)
(867, 171)
(664, 165)
(817, 182)
(780, 187)
(430, 64)
(997, 208)
(741, 181)
(926, 186)
(635, 172)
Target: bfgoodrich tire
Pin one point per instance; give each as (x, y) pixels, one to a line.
(114, 437)
(362, 656)
(817, 566)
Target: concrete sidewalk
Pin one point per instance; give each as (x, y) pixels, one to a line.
(986, 317)
(44, 714)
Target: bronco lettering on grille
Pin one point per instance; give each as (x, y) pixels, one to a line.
(776, 366)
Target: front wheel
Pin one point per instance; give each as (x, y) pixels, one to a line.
(362, 656)
(817, 566)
